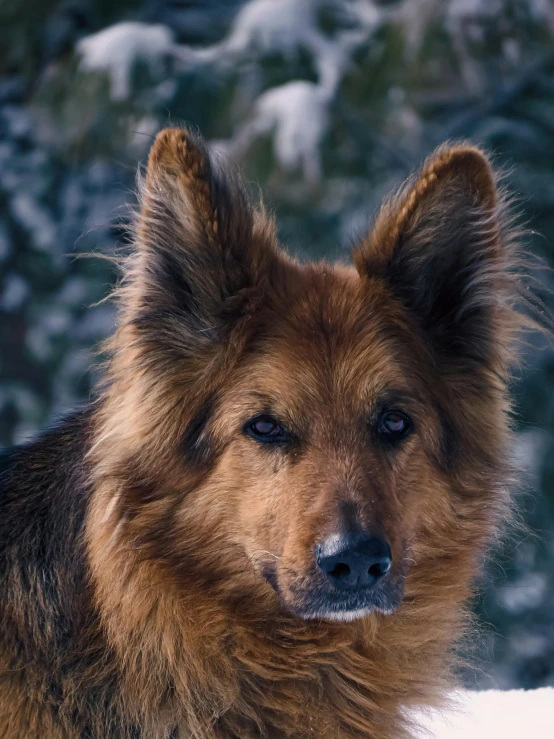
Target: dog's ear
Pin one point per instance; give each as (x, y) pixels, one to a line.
(201, 249)
(442, 243)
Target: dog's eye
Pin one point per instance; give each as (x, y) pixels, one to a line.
(266, 430)
(394, 425)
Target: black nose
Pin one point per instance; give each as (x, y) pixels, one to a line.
(354, 561)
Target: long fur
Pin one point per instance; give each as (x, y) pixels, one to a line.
(154, 561)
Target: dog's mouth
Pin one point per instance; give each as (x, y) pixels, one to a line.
(338, 607)
(317, 601)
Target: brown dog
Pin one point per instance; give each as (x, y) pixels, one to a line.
(269, 522)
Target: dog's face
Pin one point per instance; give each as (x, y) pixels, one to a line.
(323, 430)
(331, 444)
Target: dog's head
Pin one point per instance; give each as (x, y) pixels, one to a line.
(335, 433)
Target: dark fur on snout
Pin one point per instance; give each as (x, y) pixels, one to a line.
(158, 560)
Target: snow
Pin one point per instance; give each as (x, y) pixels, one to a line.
(492, 714)
(262, 27)
(272, 25)
(296, 115)
(116, 49)
(526, 593)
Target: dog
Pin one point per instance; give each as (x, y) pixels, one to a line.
(269, 519)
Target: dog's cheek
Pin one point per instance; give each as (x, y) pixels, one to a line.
(263, 505)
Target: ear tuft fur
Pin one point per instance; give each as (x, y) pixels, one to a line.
(179, 159)
(461, 167)
(444, 244)
(186, 182)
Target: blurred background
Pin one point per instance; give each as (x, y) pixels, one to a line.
(327, 104)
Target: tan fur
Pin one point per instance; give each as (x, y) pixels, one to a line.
(182, 542)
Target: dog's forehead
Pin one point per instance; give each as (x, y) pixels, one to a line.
(336, 337)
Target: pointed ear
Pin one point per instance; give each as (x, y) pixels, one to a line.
(442, 243)
(201, 248)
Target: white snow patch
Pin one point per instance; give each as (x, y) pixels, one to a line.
(296, 114)
(492, 714)
(116, 49)
(272, 25)
(526, 593)
(262, 27)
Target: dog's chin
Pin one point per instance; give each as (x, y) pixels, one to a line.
(349, 609)
(338, 615)
(323, 604)
(343, 614)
